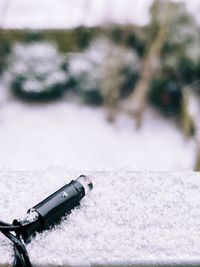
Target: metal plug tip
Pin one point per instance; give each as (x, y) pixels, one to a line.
(86, 182)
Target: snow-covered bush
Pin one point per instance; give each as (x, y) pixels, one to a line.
(103, 67)
(180, 54)
(36, 71)
(84, 78)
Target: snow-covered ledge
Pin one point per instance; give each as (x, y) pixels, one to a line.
(129, 219)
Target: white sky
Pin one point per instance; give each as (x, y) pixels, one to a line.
(67, 13)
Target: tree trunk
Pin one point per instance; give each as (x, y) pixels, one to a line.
(138, 99)
(187, 122)
(197, 164)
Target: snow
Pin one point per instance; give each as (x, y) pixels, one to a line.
(67, 14)
(101, 65)
(127, 218)
(39, 64)
(70, 134)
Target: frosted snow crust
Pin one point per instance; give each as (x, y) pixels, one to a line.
(128, 217)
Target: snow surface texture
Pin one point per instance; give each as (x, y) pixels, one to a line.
(67, 14)
(77, 136)
(128, 217)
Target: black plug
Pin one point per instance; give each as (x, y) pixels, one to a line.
(50, 211)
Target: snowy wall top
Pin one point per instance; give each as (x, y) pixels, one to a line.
(128, 218)
(60, 14)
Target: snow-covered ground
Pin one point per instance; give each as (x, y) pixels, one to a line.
(128, 218)
(75, 136)
(66, 14)
(69, 134)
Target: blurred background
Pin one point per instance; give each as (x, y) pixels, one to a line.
(96, 84)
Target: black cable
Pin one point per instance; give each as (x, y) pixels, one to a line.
(21, 258)
(43, 216)
(8, 227)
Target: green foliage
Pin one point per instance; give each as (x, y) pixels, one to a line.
(136, 43)
(197, 77)
(128, 84)
(5, 49)
(186, 69)
(166, 95)
(84, 36)
(33, 36)
(129, 37)
(45, 94)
